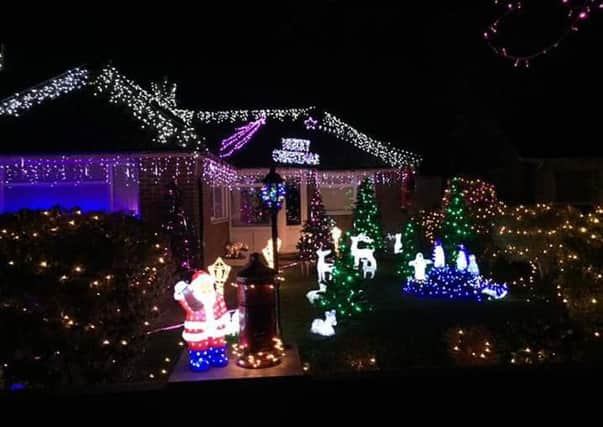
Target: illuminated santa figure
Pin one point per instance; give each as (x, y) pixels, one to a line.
(205, 323)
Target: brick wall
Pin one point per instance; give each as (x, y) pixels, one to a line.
(215, 236)
(154, 203)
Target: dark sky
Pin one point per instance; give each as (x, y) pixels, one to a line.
(420, 77)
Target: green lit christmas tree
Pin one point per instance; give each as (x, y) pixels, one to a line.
(456, 227)
(410, 247)
(316, 233)
(346, 292)
(367, 218)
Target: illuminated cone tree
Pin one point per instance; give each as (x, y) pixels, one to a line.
(456, 227)
(316, 233)
(410, 247)
(346, 289)
(367, 218)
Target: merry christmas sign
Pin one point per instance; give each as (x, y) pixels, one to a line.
(295, 151)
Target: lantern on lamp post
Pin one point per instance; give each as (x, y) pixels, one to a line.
(273, 196)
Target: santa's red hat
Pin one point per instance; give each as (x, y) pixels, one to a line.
(198, 274)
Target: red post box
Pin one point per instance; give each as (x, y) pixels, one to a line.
(259, 344)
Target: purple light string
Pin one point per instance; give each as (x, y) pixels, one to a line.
(241, 137)
(577, 13)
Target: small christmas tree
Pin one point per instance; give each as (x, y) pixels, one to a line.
(179, 229)
(410, 247)
(316, 233)
(482, 203)
(345, 290)
(367, 218)
(456, 227)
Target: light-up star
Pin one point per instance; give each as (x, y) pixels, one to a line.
(310, 123)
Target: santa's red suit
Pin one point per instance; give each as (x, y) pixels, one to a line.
(206, 315)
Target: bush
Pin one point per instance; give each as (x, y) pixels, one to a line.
(78, 294)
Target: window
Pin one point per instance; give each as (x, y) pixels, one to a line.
(106, 189)
(248, 209)
(218, 204)
(293, 204)
(338, 199)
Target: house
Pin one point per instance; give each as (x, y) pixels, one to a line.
(109, 144)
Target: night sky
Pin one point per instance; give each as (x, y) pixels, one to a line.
(421, 78)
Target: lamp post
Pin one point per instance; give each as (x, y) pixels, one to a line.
(273, 195)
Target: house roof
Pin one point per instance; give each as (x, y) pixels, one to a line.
(335, 144)
(82, 110)
(74, 115)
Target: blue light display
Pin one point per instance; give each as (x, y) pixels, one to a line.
(16, 386)
(200, 361)
(273, 195)
(454, 284)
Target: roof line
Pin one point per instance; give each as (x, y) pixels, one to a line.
(73, 79)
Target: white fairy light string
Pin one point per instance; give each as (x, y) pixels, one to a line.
(128, 168)
(144, 107)
(156, 109)
(389, 154)
(234, 116)
(69, 81)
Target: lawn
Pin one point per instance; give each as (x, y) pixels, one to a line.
(408, 332)
(89, 317)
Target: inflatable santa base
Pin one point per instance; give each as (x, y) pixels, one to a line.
(205, 323)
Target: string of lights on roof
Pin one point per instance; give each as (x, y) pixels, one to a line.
(157, 108)
(143, 106)
(128, 169)
(69, 81)
(165, 93)
(327, 178)
(389, 154)
(578, 12)
(219, 173)
(234, 116)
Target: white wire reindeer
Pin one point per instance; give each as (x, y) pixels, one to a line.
(323, 267)
(368, 268)
(325, 327)
(314, 294)
(366, 254)
(232, 322)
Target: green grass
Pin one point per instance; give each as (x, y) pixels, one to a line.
(401, 332)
